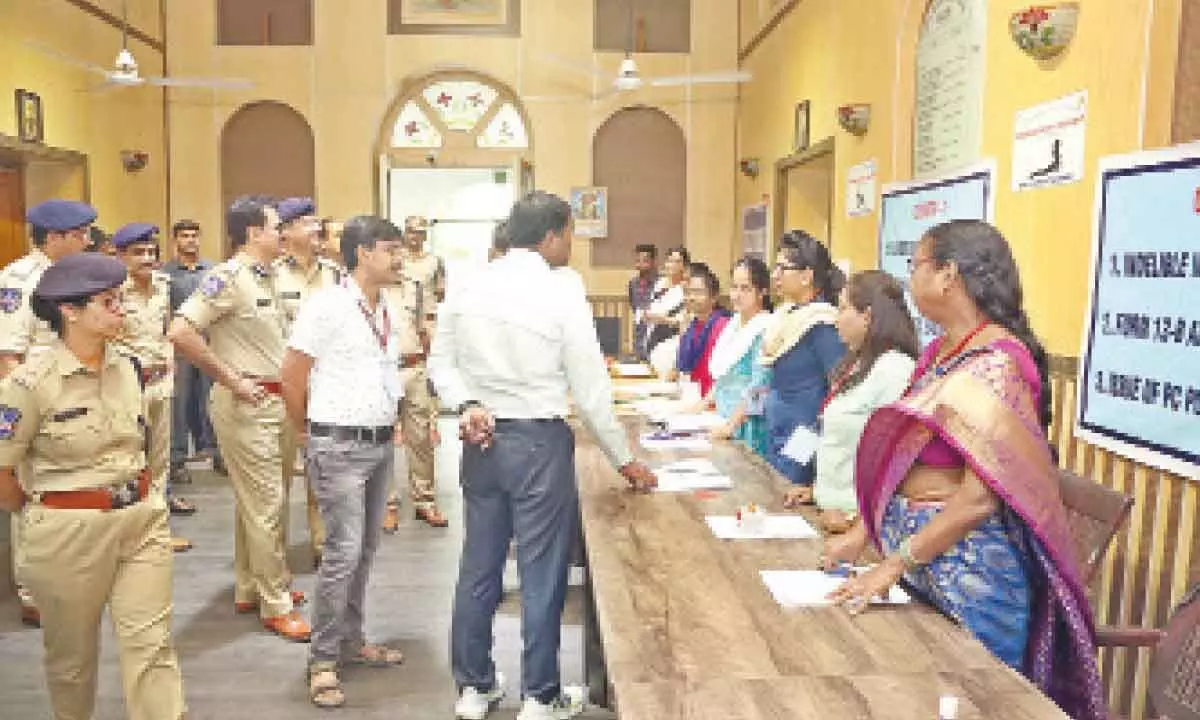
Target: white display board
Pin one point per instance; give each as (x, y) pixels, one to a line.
(1139, 369)
(950, 79)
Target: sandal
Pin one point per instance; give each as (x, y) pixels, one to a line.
(324, 687)
(378, 656)
(179, 506)
(391, 519)
(432, 516)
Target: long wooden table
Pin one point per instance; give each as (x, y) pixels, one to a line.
(681, 626)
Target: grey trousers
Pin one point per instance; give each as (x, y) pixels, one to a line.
(523, 486)
(350, 480)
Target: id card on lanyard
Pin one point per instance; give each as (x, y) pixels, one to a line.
(382, 332)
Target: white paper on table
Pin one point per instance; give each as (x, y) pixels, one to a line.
(808, 588)
(802, 445)
(646, 389)
(774, 527)
(633, 370)
(657, 409)
(653, 441)
(669, 482)
(693, 422)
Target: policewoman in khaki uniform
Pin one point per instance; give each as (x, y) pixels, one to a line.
(298, 274)
(237, 305)
(146, 298)
(59, 228)
(95, 535)
(417, 294)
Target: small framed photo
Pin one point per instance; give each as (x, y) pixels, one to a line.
(589, 209)
(30, 127)
(800, 139)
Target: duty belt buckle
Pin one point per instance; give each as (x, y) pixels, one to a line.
(126, 495)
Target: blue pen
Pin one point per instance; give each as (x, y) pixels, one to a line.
(844, 570)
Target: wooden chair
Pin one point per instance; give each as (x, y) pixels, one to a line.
(1175, 669)
(1095, 514)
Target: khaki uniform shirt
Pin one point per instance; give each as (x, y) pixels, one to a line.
(296, 284)
(418, 272)
(238, 307)
(21, 333)
(77, 429)
(146, 320)
(402, 300)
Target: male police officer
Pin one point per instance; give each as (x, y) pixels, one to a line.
(59, 228)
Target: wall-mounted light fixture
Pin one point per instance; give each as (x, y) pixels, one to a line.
(749, 167)
(134, 160)
(1044, 30)
(854, 118)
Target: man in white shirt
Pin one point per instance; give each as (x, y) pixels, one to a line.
(510, 345)
(341, 388)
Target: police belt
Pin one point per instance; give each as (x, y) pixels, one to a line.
(116, 498)
(375, 435)
(274, 387)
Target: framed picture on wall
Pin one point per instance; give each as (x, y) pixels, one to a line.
(30, 127)
(589, 210)
(454, 17)
(800, 137)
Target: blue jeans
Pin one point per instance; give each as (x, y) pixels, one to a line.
(189, 412)
(522, 486)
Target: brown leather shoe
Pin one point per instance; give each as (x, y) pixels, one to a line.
(30, 615)
(179, 544)
(289, 627)
(432, 516)
(391, 520)
(245, 608)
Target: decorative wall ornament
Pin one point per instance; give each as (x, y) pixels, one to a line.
(800, 131)
(854, 118)
(1045, 30)
(749, 167)
(134, 160)
(30, 126)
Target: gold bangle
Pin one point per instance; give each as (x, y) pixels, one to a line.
(906, 555)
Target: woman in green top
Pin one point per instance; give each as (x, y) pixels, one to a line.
(881, 340)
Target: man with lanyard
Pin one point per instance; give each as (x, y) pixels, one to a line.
(417, 294)
(512, 345)
(298, 275)
(58, 228)
(189, 411)
(146, 300)
(237, 305)
(342, 388)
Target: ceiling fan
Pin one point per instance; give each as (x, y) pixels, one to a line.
(124, 72)
(629, 79)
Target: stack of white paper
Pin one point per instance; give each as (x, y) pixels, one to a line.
(645, 389)
(632, 370)
(774, 527)
(689, 475)
(660, 441)
(695, 422)
(808, 588)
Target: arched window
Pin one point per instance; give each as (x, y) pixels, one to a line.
(459, 112)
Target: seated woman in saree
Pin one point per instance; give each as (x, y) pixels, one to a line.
(708, 320)
(956, 482)
(667, 312)
(739, 380)
(800, 348)
(874, 322)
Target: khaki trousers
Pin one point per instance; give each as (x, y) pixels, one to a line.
(417, 415)
(17, 538)
(316, 526)
(158, 419)
(79, 561)
(252, 440)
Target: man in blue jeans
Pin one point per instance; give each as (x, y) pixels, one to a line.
(511, 343)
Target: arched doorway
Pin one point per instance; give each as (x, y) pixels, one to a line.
(456, 148)
(640, 155)
(266, 149)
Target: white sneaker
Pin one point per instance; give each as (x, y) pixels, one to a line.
(475, 705)
(567, 705)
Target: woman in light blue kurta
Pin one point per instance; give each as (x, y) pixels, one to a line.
(874, 323)
(740, 380)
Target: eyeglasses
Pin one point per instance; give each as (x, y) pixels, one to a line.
(914, 263)
(784, 267)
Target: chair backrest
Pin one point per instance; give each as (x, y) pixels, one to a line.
(1175, 669)
(1095, 514)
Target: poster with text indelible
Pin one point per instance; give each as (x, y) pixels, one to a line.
(1139, 370)
(908, 210)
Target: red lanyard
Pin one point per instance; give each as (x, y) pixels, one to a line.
(954, 352)
(381, 334)
(837, 388)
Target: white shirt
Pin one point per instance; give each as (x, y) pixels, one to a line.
(517, 338)
(354, 382)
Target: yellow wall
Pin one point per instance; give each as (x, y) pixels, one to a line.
(97, 125)
(344, 84)
(835, 52)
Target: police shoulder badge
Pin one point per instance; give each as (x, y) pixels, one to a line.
(10, 299)
(212, 285)
(9, 417)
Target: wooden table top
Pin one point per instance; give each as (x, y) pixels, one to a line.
(689, 630)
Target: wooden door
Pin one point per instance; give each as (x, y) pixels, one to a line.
(12, 216)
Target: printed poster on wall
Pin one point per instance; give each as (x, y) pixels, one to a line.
(754, 231)
(1048, 143)
(860, 189)
(907, 210)
(589, 210)
(1139, 370)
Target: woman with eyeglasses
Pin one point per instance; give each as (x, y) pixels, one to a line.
(956, 483)
(800, 348)
(95, 536)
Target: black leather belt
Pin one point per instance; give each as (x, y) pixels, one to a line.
(376, 435)
(516, 421)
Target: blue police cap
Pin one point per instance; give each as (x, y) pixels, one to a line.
(134, 232)
(79, 275)
(60, 215)
(295, 207)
